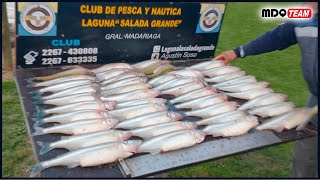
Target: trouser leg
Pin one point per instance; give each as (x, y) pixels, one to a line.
(305, 152)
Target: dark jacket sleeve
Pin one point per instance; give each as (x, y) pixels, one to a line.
(279, 38)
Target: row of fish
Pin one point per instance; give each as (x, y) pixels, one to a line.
(103, 108)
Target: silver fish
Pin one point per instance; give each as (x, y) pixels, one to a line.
(136, 94)
(91, 156)
(236, 80)
(213, 110)
(159, 129)
(162, 79)
(222, 118)
(93, 105)
(149, 119)
(61, 80)
(111, 66)
(287, 120)
(272, 109)
(70, 117)
(187, 73)
(78, 127)
(176, 82)
(201, 102)
(84, 140)
(172, 141)
(61, 86)
(70, 99)
(194, 94)
(245, 86)
(111, 74)
(206, 65)
(135, 102)
(124, 82)
(251, 94)
(264, 100)
(225, 77)
(184, 88)
(90, 88)
(145, 64)
(126, 89)
(220, 70)
(134, 111)
(121, 76)
(232, 128)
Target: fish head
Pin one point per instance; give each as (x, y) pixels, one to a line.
(112, 121)
(124, 135)
(91, 73)
(198, 135)
(175, 116)
(189, 125)
(95, 86)
(211, 90)
(131, 145)
(149, 85)
(253, 120)
(232, 104)
(223, 96)
(152, 92)
(143, 79)
(282, 96)
(264, 84)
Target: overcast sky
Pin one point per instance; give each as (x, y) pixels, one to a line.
(10, 11)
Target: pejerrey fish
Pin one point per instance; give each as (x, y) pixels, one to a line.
(222, 118)
(61, 80)
(287, 121)
(220, 70)
(266, 99)
(124, 75)
(194, 94)
(106, 75)
(241, 87)
(162, 79)
(159, 129)
(187, 73)
(272, 109)
(184, 88)
(176, 82)
(84, 140)
(70, 72)
(213, 110)
(236, 80)
(91, 156)
(124, 82)
(135, 102)
(172, 141)
(201, 102)
(151, 67)
(78, 127)
(232, 128)
(133, 95)
(126, 89)
(250, 94)
(90, 88)
(206, 65)
(161, 70)
(149, 119)
(111, 66)
(225, 77)
(134, 111)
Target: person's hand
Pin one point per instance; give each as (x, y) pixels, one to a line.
(226, 56)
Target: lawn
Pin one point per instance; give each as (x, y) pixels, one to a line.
(241, 24)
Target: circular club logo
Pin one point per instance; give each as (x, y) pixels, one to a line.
(210, 19)
(37, 18)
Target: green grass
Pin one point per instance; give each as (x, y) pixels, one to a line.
(241, 25)
(17, 155)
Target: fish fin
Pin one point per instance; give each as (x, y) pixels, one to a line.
(38, 131)
(45, 147)
(35, 93)
(36, 124)
(73, 165)
(36, 170)
(35, 119)
(40, 112)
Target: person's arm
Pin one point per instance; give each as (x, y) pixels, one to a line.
(279, 38)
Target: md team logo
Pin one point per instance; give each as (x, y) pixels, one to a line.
(37, 19)
(210, 19)
(288, 13)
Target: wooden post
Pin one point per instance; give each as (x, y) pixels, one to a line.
(7, 62)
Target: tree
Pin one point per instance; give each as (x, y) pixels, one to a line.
(7, 62)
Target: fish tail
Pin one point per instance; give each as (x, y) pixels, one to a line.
(40, 112)
(39, 131)
(37, 100)
(35, 93)
(37, 124)
(36, 170)
(30, 80)
(45, 147)
(31, 84)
